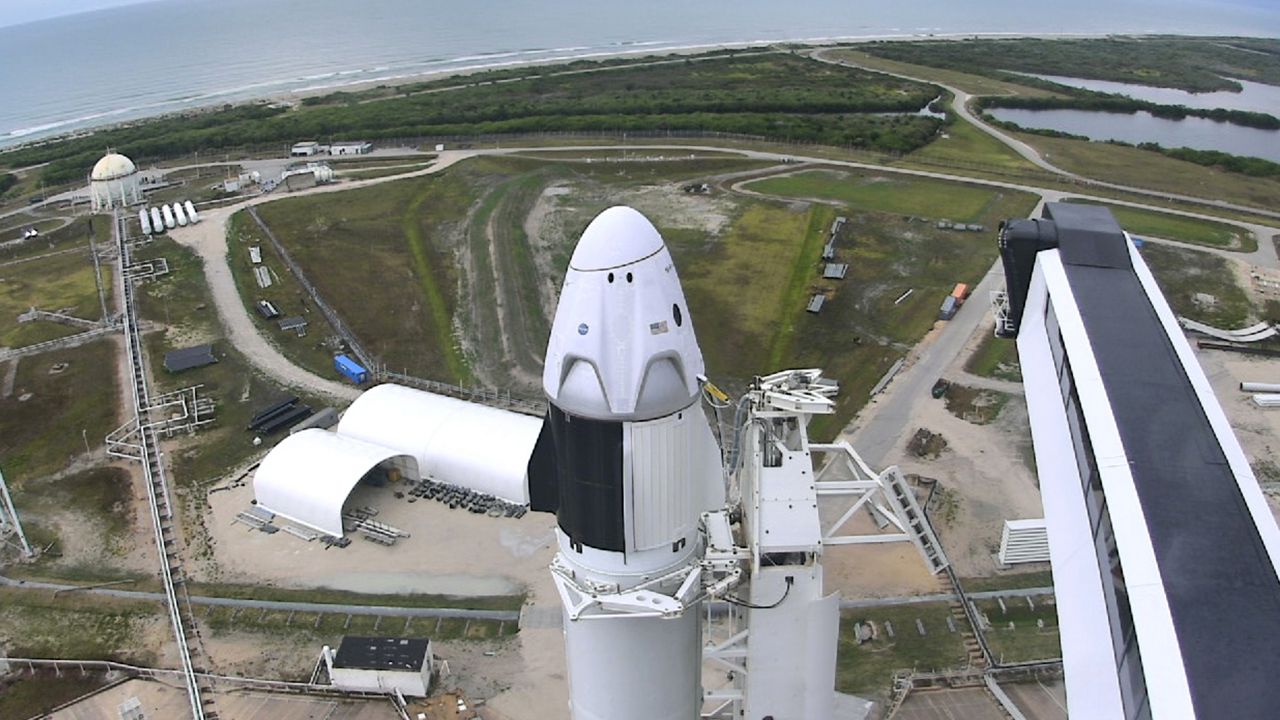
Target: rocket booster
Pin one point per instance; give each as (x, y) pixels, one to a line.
(627, 462)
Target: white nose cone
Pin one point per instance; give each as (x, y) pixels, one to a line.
(622, 345)
(618, 236)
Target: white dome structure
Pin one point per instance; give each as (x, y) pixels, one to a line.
(114, 182)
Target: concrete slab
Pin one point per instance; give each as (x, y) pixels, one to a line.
(1039, 700)
(163, 701)
(966, 704)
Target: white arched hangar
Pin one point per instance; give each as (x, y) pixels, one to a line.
(392, 430)
(454, 441)
(310, 475)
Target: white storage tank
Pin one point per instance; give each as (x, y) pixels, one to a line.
(145, 221)
(191, 212)
(157, 222)
(180, 214)
(170, 221)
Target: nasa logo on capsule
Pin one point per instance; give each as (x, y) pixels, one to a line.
(582, 329)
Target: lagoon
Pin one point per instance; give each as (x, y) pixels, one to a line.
(1254, 97)
(1140, 127)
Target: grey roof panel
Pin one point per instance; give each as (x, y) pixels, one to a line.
(1222, 589)
(1096, 238)
(187, 358)
(381, 653)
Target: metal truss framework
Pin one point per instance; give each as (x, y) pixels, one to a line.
(886, 497)
(180, 411)
(146, 269)
(9, 522)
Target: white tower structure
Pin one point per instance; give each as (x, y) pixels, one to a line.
(114, 183)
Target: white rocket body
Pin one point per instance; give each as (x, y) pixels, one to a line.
(628, 463)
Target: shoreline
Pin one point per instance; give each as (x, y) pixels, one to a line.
(294, 97)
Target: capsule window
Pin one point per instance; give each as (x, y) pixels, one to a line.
(610, 278)
(675, 313)
(629, 277)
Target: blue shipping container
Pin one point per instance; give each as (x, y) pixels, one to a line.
(350, 369)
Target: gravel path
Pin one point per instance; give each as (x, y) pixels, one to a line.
(208, 239)
(279, 605)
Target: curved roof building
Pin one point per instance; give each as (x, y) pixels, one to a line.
(308, 477)
(453, 441)
(114, 182)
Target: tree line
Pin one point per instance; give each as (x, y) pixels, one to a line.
(1103, 102)
(778, 96)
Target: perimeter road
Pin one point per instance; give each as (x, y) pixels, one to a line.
(327, 608)
(209, 240)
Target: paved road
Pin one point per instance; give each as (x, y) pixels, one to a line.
(543, 617)
(876, 433)
(944, 597)
(208, 239)
(329, 608)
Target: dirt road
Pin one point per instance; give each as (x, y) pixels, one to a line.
(209, 240)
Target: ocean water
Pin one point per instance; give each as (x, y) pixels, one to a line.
(87, 70)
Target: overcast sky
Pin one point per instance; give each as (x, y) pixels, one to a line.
(13, 12)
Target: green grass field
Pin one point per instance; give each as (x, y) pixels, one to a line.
(747, 283)
(59, 283)
(388, 171)
(181, 301)
(382, 257)
(966, 82)
(319, 629)
(1015, 634)
(995, 358)
(1176, 227)
(102, 496)
(309, 351)
(867, 669)
(737, 286)
(980, 407)
(1150, 170)
(35, 624)
(55, 273)
(28, 696)
(888, 193)
(963, 145)
(341, 597)
(1182, 273)
(81, 397)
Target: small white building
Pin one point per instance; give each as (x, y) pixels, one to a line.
(376, 664)
(305, 176)
(306, 149)
(114, 183)
(350, 148)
